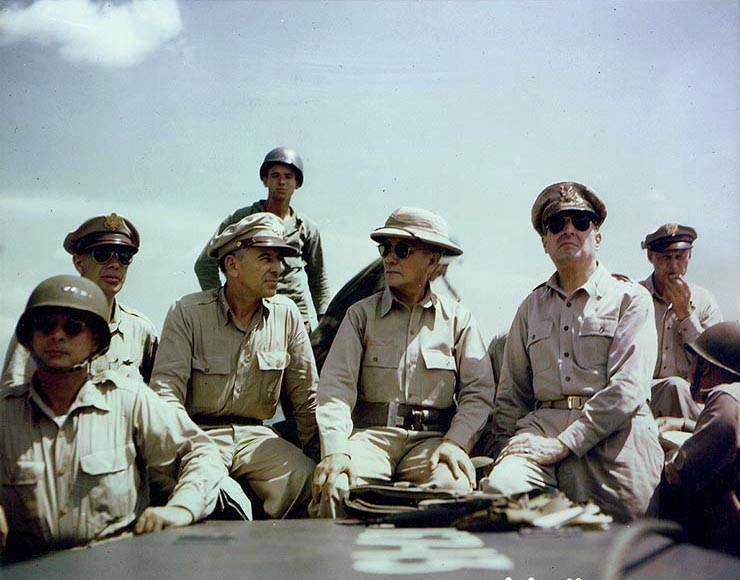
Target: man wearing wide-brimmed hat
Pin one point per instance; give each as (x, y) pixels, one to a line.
(227, 354)
(571, 408)
(682, 312)
(407, 386)
(102, 248)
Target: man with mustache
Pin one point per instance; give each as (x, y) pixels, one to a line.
(571, 408)
(682, 312)
(102, 249)
(75, 447)
(407, 385)
(227, 353)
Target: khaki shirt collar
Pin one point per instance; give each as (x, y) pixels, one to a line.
(594, 286)
(649, 283)
(224, 312)
(429, 300)
(88, 396)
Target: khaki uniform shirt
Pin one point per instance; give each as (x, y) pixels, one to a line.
(599, 342)
(209, 366)
(133, 345)
(78, 477)
(673, 334)
(429, 355)
(303, 279)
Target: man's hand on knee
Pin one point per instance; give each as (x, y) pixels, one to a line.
(543, 450)
(328, 470)
(451, 454)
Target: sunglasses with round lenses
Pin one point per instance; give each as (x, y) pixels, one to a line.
(48, 324)
(401, 249)
(556, 224)
(102, 255)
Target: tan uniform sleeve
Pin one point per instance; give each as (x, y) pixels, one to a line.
(165, 435)
(337, 392)
(475, 388)
(172, 367)
(630, 365)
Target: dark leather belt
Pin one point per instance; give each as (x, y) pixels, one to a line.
(222, 420)
(411, 417)
(570, 402)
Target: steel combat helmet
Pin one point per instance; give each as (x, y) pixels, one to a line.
(720, 345)
(286, 156)
(69, 292)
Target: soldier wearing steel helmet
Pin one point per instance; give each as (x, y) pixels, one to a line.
(703, 475)
(75, 447)
(303, 279)
(682, 311)
(102, 249)
(571, 408)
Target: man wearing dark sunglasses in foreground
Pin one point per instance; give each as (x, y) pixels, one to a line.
(102, 249)
(407, 385)
(571, 408)
(75, 448)
(682, 311)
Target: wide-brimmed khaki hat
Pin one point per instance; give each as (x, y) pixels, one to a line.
(259, 230)
(418, 224)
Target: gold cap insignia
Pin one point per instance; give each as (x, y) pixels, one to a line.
(568, 193)
(114, 222)
(671, 229)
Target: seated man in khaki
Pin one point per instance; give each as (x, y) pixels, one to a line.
(75, 448)
(102, 248)
(682, 312)
(407, 386)
(571, 408)
(225, 356)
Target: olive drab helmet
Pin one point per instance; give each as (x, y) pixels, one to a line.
(70, 292)
(286, 156)
(720, 345)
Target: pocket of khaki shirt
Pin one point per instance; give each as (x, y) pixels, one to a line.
(594, 341)
(538, 346)
(383, 356)
(19, 486)
(107, 483)
(271, 365)
(438, 386)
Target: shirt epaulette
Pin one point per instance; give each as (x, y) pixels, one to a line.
(198, 298)
(116, 378)
(14, 391)
(623, 278)
(540, 285)
(132, 311)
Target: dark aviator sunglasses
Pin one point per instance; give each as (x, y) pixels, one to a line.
(48, 324)
(102, 255)
(401, 249)
(557, 223)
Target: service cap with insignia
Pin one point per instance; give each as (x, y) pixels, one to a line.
(262, 230)
(566, 196)
(103, 230)
(670, 237)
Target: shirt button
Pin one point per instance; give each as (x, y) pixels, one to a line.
(566, 327)
(375, 359)
(568, 304)
(567, 354)
(63, 511)
(601, 330)
(567, 379)
(411, 333)
(208, 370)
(62, 471)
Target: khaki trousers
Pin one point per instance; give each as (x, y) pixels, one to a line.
(385, 454)
(276, 470)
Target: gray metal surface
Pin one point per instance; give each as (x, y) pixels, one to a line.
(324, 550)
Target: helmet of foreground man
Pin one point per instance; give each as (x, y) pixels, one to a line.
(286, 156)
(70, 292)
(720, 345)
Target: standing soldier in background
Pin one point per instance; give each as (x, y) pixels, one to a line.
(228, 353)
(102, 249)
(682, 312)
(304, 279)
(571, 407)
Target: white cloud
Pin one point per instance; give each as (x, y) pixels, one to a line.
(106, 34)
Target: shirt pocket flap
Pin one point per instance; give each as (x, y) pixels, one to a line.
(599, 326)
(108, 460)
(213, 365)
(23, 473)
(383, 356)
(272, 360)
(436, 359)
(539, 331)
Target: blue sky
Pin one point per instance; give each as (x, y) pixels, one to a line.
(163, 111)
